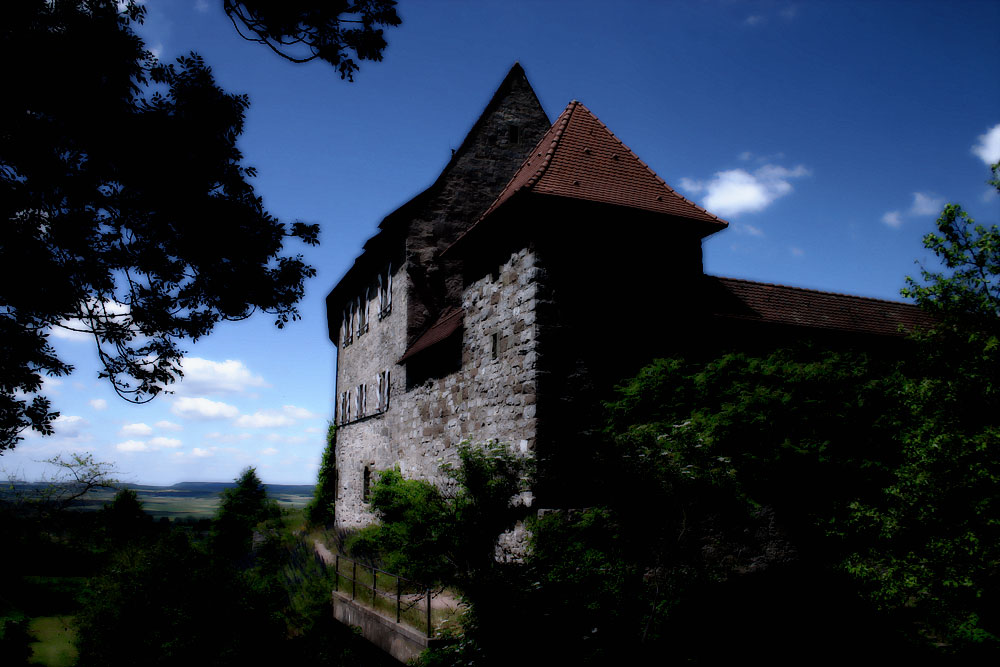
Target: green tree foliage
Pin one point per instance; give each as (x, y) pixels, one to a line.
(124, 518)
(321, 509)
(327, 30)
(801, 504)
(241, 509)
(124, 191)
(448, 538)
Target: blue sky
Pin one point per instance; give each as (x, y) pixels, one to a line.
(829, 133)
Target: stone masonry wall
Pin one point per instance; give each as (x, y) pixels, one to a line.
(489, 399)
(367, 441)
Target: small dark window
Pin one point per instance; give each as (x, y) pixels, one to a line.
(495, 345)
(513, 135)
(366, 484)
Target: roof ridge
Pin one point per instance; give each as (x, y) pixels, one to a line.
(813, 291)
(646, 166)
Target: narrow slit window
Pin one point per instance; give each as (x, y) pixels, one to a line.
(495, 345)
(513, 135)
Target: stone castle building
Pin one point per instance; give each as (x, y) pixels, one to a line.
(545, 263)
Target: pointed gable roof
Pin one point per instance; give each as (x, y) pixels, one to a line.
(580, 158)
(514, 77)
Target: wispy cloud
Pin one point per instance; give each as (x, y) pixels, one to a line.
(737, 191)
(892, 218)
(924, 204)
(202, 408)
(138, 429)
(287, 416)
(69, 426)
(987, 146)
(161, 442)
(98, 403)
(207, 377)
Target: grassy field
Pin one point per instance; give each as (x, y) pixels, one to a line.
(54, 645)
(195, 500)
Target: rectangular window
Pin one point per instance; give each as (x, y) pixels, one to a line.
(495, 345)
(385, 293)
(383, 398)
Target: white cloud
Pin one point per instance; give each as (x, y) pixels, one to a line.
(270, 451)
(69, 426)
(70, 334)
(738, 191)
(892, 218)
(201, 6)
(165, 425)
(131, 446)
(139, 429)
(755, 19)
(198, 452)
(748, 229)
(287, 416)
(796, 252)
(987, 147)
(203, 376)
(160, 442)
(202, 408)
(296, 412)
(924, 204)
(98, 404)
(264, 419)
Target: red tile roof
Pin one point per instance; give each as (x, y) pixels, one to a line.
(443, 327)
(580, 158)
(796, 306)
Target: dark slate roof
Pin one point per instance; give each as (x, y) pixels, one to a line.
(796, 306)
(580, 158)
(443, 327)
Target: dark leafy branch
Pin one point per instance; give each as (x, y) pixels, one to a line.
(328, 30)
(128, 210)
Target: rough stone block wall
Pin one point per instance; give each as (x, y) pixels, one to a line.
(367, 441)
(489, 399)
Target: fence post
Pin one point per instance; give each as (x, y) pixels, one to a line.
(429, 629)
(397, 598)
(374, 586)
(354, 579)
(336, 574)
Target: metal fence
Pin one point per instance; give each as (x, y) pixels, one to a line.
(391, 592)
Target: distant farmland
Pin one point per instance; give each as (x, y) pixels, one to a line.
(197, 500)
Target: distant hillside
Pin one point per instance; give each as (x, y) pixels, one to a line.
(202, 488)
(186, 499)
